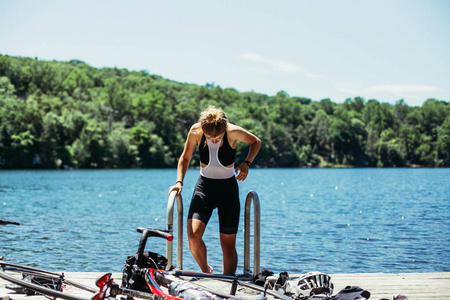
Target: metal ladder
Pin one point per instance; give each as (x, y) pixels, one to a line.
(252, 196)
(169, 245)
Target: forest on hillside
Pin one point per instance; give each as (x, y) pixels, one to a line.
(69, 114)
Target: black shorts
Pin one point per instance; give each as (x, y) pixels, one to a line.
(220, 193)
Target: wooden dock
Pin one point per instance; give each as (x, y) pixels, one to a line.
(415, 286)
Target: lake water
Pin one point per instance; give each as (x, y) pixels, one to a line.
(329, 220)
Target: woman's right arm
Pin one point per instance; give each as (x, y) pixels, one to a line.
(185, 158)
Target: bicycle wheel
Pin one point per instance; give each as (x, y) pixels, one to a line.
(37, 281)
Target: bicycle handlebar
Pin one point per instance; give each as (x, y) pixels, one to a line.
(146, 233)
(155, 232)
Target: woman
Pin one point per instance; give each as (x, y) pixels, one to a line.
(217, 185)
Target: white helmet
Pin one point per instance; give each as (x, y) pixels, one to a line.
(314, 283)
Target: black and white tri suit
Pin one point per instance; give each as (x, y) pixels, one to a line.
(216, 186)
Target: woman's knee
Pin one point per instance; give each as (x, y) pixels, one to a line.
(228, 242)
(195, 229)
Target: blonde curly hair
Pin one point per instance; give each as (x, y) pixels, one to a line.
(213, 121)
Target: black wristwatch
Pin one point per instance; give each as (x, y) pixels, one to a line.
(247, 162)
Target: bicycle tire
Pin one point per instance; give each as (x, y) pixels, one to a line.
(12, 272)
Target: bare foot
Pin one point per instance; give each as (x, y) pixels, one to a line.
(210, 269)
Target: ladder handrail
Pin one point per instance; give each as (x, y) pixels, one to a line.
(252, 195)
(169, 246)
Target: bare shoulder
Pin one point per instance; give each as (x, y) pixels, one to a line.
(195, 133)
(232, 128)
(196, 129)
(237, 133)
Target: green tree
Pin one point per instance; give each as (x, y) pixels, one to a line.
(389, 151)
(58, 113)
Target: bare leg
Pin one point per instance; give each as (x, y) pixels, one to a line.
(195, 230)
(230, 257)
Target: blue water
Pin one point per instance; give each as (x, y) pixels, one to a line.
(329, 220)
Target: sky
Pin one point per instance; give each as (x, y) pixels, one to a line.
(337, 49)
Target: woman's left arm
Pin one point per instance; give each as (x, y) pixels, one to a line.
(240, 134)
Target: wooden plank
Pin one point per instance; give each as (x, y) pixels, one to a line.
(416, 286)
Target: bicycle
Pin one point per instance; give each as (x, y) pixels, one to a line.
(33, 281)
(145, 276)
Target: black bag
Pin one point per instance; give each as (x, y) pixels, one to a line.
(260, 279)
(132, 275)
